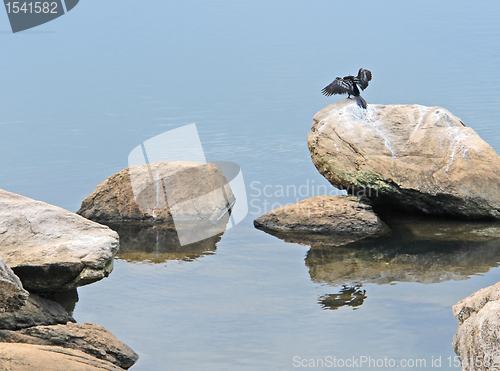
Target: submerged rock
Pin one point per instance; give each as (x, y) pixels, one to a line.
(12, 294)
(92, 339)
(333, 220)
(413, 156)
(478, 334)
(52, 249)
(22, 357)
(160, 192)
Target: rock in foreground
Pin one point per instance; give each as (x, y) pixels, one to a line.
(89, 338)
(12, 294)
(52, 249)
(23, 357)
(159, 192)
(342, 218)
(416, 157)
(36, 312)
(478, 334)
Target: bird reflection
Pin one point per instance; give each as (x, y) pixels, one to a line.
(352, 296)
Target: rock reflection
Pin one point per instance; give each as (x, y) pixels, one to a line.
(159, 243)
(419, 249)
(351, 296)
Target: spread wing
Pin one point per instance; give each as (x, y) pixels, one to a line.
(338, 86)
(363, 77)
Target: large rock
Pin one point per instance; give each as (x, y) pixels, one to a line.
(160, 192)
(12, 294)
(413, 156)
(23, 357)
(92, 339)
(477, 340)
(335, 220)
(52, 249)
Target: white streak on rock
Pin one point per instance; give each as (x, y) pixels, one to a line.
(422, 110)
(457, 139)
(369, 117)
(157, 183)
(325, 122)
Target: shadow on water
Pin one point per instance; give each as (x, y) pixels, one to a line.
(160, 243)
(66, 299)
(418, 248)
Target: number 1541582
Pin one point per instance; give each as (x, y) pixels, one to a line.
(31, 7)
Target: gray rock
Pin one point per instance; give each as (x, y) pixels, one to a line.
(478, 334)
(333, 220)
(12, 294)
(89, 338)
(23, 357)
(413, 156)
(37, 311)
(160, 192)
(52, 249)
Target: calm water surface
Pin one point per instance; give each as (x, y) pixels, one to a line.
(79, 93)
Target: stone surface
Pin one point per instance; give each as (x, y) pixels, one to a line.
(335, 220)
(24, 357)
(160, 191)
(472, 304)
(478, 334)
(37, 311)
(92, 339)
(52, 249)
(12, 294)
(412, 156)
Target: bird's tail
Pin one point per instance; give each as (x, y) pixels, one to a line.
(361, 102)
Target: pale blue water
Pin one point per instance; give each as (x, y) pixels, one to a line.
(79, 93)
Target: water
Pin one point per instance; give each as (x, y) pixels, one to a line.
(79, 93)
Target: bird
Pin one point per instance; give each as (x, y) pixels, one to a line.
(349, 85)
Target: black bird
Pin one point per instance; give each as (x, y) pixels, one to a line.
(349, 85)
